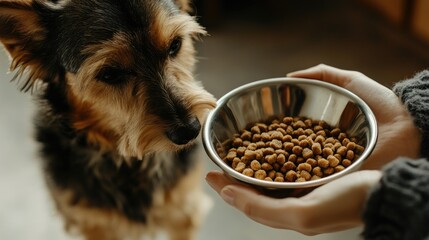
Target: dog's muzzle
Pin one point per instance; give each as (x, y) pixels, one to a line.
(184, 132)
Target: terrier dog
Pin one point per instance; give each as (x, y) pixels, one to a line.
(119, 110)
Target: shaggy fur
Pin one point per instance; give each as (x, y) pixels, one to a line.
(119, 110)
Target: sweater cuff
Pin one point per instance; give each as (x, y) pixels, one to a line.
(398, 206)
(414, 93)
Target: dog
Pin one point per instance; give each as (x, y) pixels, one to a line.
(119, 111)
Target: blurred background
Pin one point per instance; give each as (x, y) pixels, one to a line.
(249, 40)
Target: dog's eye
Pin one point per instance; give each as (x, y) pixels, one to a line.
(175, 47)
(111, 75)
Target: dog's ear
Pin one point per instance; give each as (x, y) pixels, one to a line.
(23, 36)
(20, 29)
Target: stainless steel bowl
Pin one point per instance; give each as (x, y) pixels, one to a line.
(260, 100)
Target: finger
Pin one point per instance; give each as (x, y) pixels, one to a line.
(217, 180)
(344, 78)
(247, 200)
(369, 90)
(260, 208)
(325, 73)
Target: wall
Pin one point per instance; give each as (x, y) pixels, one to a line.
(420, 20)
(411, 15)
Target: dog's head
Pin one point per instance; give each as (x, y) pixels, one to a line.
(122, 69)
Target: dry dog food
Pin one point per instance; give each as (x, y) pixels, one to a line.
(292, 149)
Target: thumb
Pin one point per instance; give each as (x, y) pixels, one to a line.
(325, 73)
(260, 208)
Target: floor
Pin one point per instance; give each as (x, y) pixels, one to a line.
(246, 43)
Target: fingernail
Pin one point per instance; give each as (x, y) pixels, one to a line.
(227, 195)
(293, 73)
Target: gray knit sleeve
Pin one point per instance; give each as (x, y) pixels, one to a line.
(414, 93)
(398, 207)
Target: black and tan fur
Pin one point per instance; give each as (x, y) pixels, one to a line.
(119, 110)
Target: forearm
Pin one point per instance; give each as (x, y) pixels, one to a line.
(397, 207)
(414, 93)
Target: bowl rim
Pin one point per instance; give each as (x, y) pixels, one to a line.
(211, 152)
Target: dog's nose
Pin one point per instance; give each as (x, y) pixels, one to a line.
(184, 132)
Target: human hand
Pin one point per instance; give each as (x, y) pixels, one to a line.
(397, 134)
(335, 206)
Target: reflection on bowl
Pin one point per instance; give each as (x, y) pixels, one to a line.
(279, 97)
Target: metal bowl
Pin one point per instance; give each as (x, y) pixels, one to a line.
(260, 100)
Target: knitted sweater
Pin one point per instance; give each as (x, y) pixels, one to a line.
(398, 207)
